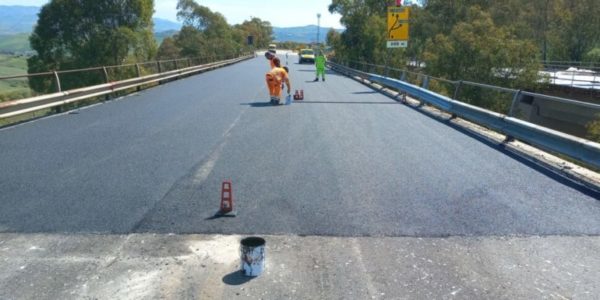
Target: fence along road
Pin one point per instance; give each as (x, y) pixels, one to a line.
(345, 162)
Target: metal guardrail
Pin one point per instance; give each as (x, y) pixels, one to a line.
(558, 77)
(545, 138)
(22, 106)
(565, 64)
(459, 84)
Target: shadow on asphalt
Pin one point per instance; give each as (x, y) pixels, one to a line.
(314, 71)
(260, 104)
(365, 92)
(236, 278)
(219, 216)
(344, 102)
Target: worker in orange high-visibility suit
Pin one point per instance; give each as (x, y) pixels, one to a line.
(275, 78)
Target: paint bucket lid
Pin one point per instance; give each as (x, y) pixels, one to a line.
(253, 242)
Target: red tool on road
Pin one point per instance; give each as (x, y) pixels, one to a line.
(299, 95)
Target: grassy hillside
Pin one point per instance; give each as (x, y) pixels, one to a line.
(13, 88)
(14, 43)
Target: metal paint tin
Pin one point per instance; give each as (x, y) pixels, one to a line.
(253, 256)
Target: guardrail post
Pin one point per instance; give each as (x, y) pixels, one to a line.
(57, 109)
(514, 104)
(107, 97)
(457, 90)
(105, 74)
(189, 61)
(57, 81)
(426, 82)
(159, 71)
(176, 65)
(593, 85)
(138, 72)
(403, 77)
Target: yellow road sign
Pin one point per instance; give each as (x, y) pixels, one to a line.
(397, 23)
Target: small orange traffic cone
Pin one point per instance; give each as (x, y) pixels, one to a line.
(301, 94)
(226, 199)
(296, 95)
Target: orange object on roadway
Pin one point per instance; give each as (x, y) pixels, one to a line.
(226, 197)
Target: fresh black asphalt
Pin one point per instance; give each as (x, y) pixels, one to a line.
(347, 161)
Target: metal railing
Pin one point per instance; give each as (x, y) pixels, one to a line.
(114, 79)
(563, 65)
(455, 87)
(542, 137)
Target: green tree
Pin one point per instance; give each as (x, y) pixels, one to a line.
(207, 34)
(593, 56)
(478, 50)
(168, 49)
(84, 33)
(364, 37)
(333, 38)
(582, 33)
(262, 32)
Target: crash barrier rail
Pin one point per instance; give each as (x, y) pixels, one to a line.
(547, 139)
(563, 65)
(183, 67)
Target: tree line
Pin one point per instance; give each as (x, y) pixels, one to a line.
(76, 34)
(473, 39)
(501, 43)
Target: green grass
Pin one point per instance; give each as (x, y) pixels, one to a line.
(13, 88)
(15, 43)
(12, 65)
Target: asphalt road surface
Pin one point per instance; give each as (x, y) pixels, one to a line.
(346, 161)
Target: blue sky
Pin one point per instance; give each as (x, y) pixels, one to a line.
(281, 13)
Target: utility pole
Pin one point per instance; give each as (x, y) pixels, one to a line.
(318, 28)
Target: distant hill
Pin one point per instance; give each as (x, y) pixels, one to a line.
(303, 34)
(21, 19)
(17, 19)
(161, 25)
